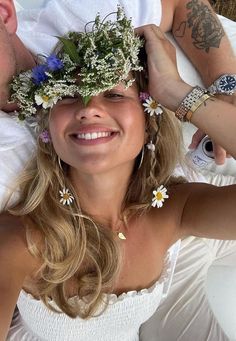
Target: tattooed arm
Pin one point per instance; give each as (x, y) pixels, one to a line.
(198, 31)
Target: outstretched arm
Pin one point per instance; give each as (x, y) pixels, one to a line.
(15, 264)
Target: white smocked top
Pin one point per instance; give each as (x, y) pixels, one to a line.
(120, 321)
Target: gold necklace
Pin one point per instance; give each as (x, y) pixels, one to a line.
(121, 235)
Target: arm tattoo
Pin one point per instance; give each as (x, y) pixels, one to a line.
(179, 33)
(207, 31)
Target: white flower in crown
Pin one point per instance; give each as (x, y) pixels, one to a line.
(45, 101)
(66, 197)
(152, 107)
(159, 196)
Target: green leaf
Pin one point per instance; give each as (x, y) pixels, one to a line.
(70, 49)
(86, 99)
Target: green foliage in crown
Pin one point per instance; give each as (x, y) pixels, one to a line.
(87, 64)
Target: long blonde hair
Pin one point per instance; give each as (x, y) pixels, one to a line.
(75, 246)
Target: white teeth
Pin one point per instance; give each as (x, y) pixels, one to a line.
(93, 136)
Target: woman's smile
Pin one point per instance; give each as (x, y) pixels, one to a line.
(93, 138)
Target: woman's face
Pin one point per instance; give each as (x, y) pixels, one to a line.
(107, 133)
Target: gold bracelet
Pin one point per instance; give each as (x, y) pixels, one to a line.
(196, 105)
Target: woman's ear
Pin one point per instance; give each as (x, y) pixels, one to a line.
(8, 15)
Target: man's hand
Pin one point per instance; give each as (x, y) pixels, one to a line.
(220, 153)
(164, 82)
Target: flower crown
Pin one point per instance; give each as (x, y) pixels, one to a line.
(101, 59)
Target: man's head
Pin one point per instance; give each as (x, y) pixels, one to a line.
(8, 25)
(14, 57)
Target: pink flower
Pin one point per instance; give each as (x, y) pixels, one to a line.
(45, 137)
(143, 96)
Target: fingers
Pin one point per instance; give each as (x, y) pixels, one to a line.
(196, 139)
(219, 154)
(154, 35)
(149, 31)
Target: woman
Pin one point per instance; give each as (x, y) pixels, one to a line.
(91, 246)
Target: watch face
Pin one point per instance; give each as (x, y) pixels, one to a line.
(227, 83)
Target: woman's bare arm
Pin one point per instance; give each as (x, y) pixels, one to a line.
(15, 264)
(207, 211)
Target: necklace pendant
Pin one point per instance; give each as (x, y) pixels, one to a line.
(121, 235)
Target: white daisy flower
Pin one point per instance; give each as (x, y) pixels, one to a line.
(66, 197)
(159, 196)
(152, 107)
(45, 101)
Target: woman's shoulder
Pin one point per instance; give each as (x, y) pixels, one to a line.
(169, 216)
(14, 251)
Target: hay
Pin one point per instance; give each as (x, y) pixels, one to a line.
(226, 8)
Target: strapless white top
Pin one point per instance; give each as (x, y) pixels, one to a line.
(120, 321)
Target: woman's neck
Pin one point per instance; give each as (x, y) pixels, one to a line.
(102, 195)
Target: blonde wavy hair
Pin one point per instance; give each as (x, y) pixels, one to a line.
(75, 246)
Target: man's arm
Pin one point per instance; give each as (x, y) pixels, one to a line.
(200, 34)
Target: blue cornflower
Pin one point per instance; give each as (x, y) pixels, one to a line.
(38, 74)
(54, 63)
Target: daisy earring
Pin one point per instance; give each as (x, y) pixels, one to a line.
(66, 197)
(159, 196)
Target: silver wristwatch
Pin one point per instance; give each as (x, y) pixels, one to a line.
(225, 85)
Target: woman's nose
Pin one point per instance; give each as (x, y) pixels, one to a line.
(93, 109)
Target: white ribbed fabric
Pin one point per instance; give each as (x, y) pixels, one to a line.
(38, 28)
(120, 321)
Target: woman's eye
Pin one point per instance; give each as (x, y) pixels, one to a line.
(114, 95)
(69, 99)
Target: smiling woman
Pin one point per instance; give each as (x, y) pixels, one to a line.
(100, 215)
(99, 141)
